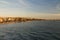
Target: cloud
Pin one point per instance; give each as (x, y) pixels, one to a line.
(4, 2)
(15, 3)
(24, 3)
(58, 6)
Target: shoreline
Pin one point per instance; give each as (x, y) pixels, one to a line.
(25, 21)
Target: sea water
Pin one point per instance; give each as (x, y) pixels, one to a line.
(34, 30)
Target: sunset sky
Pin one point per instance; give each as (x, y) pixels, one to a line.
(49, 9)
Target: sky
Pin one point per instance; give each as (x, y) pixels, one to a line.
(48, 9)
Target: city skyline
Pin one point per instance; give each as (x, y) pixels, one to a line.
(47, 9)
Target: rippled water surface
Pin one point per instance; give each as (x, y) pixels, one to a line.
(34, 30)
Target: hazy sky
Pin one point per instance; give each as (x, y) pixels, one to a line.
(30, 8)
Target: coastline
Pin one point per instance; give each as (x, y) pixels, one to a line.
(9, 20)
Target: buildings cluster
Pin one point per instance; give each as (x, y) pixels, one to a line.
(13, 19)
(16, 19)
